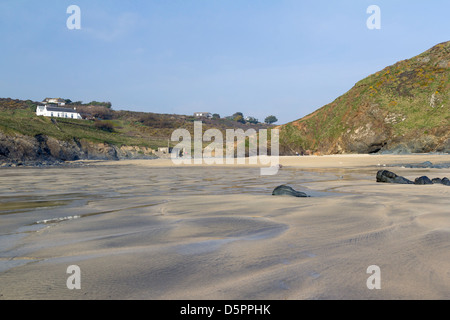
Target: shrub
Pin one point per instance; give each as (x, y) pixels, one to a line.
(98, 112)
(270, 119)
(239, 118)
(104, 125)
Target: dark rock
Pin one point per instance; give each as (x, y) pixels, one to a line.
(390, 177)
(426, 164)
(444, 181)
(436, 180)
(284, 190)
(423, 180)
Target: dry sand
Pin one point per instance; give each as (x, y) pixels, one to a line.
(151, 230)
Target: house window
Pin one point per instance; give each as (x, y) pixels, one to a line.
(51, 115)
(71, 115)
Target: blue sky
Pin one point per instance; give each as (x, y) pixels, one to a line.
(259, 57)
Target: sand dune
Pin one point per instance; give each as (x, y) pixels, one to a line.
(151, 230)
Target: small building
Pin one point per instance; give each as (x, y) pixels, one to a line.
(58, 101)
(58, 112)
(203, 114)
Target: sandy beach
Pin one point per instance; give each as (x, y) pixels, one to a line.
(149, 229)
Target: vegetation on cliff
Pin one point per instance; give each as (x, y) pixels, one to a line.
(24, 133)
(404, 107)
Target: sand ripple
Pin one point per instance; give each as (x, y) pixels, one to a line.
(148, 230)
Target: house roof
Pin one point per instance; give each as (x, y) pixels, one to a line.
(58, 109)
(55, 99)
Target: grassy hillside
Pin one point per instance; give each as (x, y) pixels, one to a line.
(120, 128)
(405, 104)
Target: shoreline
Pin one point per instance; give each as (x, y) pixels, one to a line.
(312, 160)
(331, 161)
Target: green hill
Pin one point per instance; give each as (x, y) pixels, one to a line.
(402, 108)
(105, 134)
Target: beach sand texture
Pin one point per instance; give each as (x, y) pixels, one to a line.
(146, 229)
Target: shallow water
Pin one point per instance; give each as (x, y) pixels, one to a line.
(30, 189)
(33, 198)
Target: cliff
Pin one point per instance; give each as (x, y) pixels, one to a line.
(404, 108)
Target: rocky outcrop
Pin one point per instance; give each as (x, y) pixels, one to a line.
(29, 150)
(390, 177)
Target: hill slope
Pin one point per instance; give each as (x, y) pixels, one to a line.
(402, 108)
(27, 138)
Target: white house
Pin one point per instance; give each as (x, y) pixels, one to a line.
(203, 114)
(60, 102)
(58, 112)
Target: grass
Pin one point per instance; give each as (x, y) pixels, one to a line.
(123, 128)
(403, 91)
(25, 122)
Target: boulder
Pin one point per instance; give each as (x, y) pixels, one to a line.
(284, 190)
(436, 180)
(390, 177)
(423, 180)
(445, 181)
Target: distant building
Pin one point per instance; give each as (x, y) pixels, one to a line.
(203, 114)
(58, 112)
(58, 101)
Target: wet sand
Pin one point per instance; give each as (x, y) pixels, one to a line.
(146, 229)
